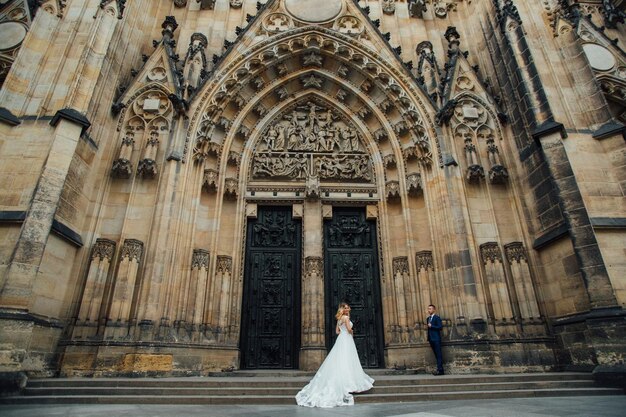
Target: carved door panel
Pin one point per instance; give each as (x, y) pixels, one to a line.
(351, 271)
(270, 337)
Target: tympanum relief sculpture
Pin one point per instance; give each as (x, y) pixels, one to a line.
(311, 140)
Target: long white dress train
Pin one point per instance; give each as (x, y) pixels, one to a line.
(339, 376)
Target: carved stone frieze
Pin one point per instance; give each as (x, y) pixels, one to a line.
(103, 249)
(311, 139)
(224, 264)
(313, 265)
(132, 249)
(490, 252)
(200, 259)
(424, 260)
(400, 265)
(515, 252)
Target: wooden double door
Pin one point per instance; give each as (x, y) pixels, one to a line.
(271, 324)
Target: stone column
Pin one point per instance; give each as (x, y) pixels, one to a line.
(400, 278)
(197, 293)
(221, 311)
(526, 298)
(313, 350)
(427, 289)
(498, 289)
(91, 302)
(124, 289)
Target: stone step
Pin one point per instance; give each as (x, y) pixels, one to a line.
(282, 399)
(277, 391)
(298, 381)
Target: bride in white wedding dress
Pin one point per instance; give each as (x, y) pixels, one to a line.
(340, 374)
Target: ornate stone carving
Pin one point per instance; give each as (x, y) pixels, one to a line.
(180, 3)
(341, 95)
(277, 22)
(224, 264)
(424, 260)
(490, 252)
(312, 59)
(122, 168)
(612, 15)
(311, 140)
(389, 6)
(441, 7)
(474, 173)
(113, 10)
(311, 81)
(206, 4)
(132, 249)
(414, 184)
(103, 249)
(313, 265)
(54, 7)
(515, 252)
(230, 187)
(349, 25)
(401, 265)
(200, 259)
(209, 182)
(392, 189)
(417, 8)
(236, 4)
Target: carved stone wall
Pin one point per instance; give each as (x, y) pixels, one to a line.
(491, 166)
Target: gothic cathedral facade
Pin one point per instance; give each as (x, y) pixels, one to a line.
(194, 185)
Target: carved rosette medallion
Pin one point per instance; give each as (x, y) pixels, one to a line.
(490, 252)
(311, 140)
(103, 249)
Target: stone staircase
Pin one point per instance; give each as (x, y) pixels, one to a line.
(258, 387)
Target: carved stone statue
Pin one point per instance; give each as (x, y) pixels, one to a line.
(311, 139)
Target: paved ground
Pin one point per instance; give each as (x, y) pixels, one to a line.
(600, 406)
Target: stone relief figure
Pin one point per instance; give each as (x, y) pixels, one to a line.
(310, 139)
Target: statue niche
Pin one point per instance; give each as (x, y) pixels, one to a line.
(311, 140)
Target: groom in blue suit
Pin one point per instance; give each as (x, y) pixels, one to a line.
(434, 337)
